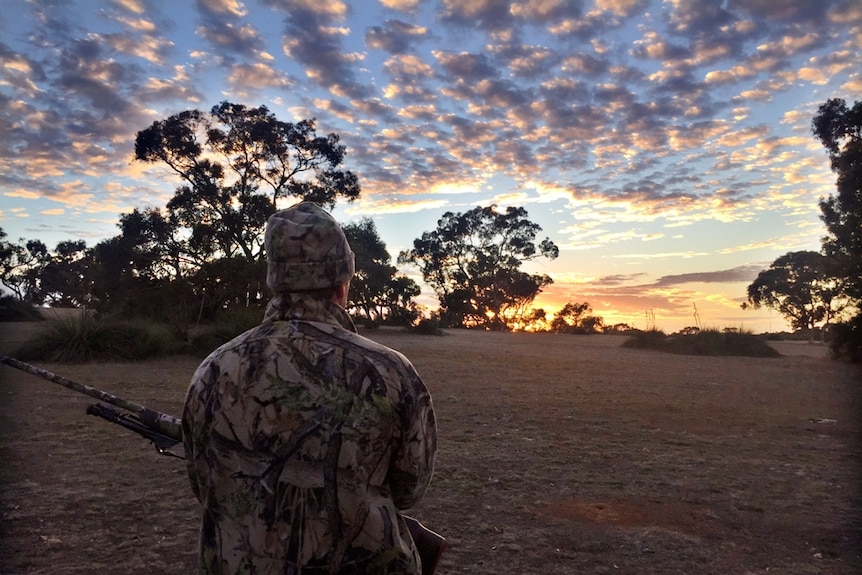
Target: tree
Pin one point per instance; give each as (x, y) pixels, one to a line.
(204, 252)
(376, 293)
(37, 276)
(398, 299)
(473, 261)
(839, 129)
(21, 267)
(64, 280)
(576, 318)
(133, 272)
(236, 164)
(618, 328)
(800, 287)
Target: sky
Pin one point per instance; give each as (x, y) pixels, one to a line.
(664, 146)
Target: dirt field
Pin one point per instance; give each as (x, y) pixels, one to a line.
(558, 454)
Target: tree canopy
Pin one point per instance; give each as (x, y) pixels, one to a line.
(800, 286)
(473, 261)
(235, 164)
(839, 129)
(576, 318)
(376, 294)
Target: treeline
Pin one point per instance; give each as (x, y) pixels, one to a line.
(202, 255)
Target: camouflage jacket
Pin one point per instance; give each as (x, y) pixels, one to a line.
(303, 441)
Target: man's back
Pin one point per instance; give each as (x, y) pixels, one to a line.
(305, 439)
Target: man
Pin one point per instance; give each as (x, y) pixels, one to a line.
(303, 439)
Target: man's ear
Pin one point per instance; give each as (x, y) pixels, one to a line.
(339, 295)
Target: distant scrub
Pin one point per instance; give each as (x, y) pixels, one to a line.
(427, 326)
(13, 309)
(705, 342)
(846, 340)
(83, 337)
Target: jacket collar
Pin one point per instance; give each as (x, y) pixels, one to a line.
(303, 306)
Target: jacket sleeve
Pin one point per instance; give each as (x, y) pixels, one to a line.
(194, 425)
(413, 460)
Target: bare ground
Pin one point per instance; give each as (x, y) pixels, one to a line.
(558, 454)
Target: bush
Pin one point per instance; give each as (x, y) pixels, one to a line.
(82, 337)
(426, 326)
(13, 309)
(704, 342)
(845, 340)
(205, 339)
(650, 339)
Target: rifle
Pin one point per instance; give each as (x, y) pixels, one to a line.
(165, 432)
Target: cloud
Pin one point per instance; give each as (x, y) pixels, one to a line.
(248, 79)
(395, 36)
(230, 40)
(744, 273)
(797, 11)
(401, 5)
(623, 8)
(393, 205)
(487, 14)
(152, 49)
(313, 38)
(223, 7)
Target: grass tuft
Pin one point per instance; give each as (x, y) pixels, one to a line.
(82, 337)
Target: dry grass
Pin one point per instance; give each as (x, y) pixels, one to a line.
(558, 454)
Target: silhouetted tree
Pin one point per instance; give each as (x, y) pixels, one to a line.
(473, 261)
(376, 293)
(799, 286)
(576, 318)
(64, 280)
(21, 266)
(839, 129)
(618, 328)
(236, 164)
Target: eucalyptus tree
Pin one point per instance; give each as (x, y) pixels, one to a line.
(473, 261)
(802, 286)
(839, 129)
(376, 293)
(235, 164)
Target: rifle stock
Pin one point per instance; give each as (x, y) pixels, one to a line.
(429, 544)
(165, 432)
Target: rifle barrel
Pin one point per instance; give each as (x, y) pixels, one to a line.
(160, 422)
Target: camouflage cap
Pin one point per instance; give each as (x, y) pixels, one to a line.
(306, 249)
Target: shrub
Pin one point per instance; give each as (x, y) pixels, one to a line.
(845, 340)
(650, 339)
(426, 326)
(204, 339)
(13, 309)
(704, 342)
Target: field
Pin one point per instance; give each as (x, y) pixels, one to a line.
(558, 454)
